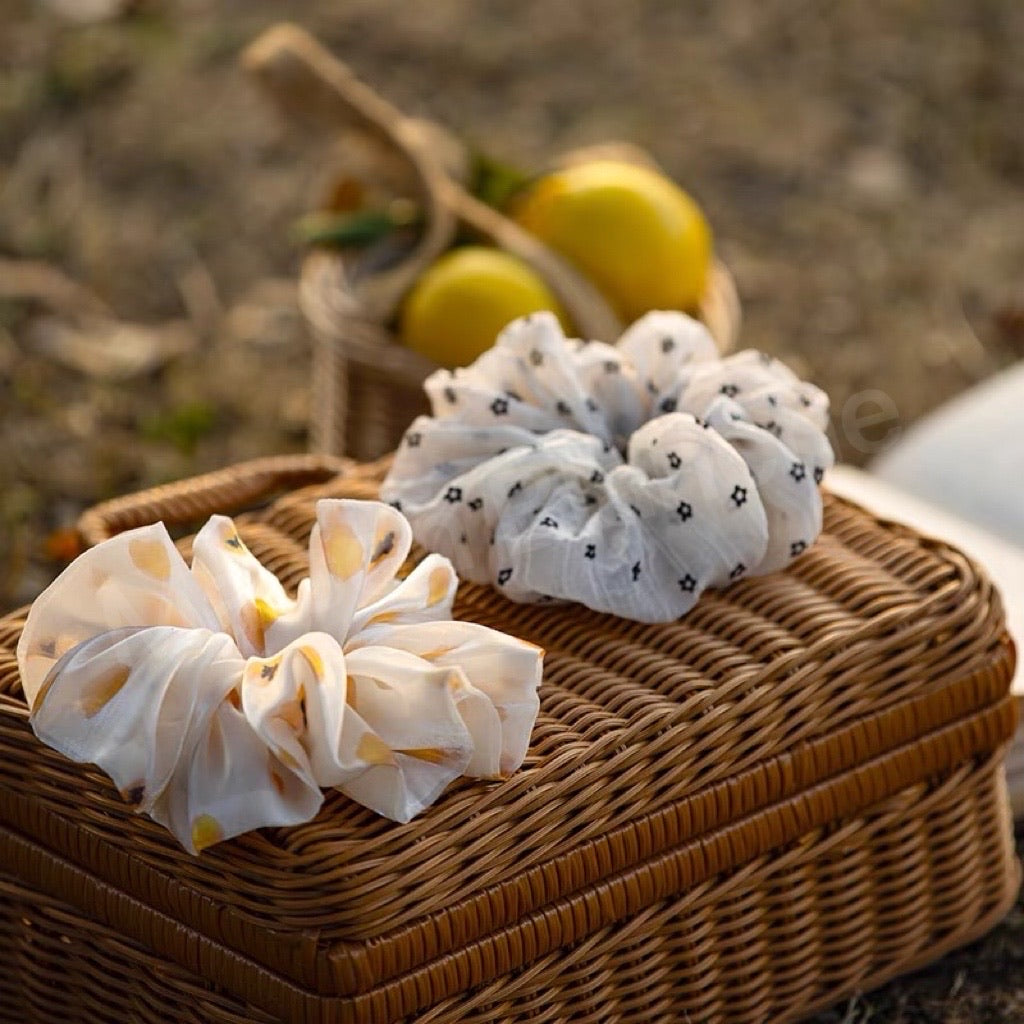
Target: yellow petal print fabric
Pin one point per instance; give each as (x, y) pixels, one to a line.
(494, 684)
(218, 704)
(111, 587)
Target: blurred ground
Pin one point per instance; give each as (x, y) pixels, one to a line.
(861, 164)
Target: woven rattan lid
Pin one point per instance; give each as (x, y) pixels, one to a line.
(779, 705)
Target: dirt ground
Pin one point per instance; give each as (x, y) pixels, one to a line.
(861, 165)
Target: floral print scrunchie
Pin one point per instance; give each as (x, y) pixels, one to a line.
(627, 477)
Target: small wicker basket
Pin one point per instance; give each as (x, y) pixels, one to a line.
(367, 386)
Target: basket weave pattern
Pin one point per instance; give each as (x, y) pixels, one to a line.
(842, 909)
(790, 793)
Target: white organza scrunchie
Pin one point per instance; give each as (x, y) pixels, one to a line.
(217, 704)
(627, 477)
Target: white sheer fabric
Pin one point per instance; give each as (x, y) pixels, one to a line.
(217, 704)
(628, 477)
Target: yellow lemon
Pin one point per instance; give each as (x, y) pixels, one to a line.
(457, 307)
(639, 237)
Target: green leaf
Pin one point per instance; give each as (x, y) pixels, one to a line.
(359, 229)
(495, 182)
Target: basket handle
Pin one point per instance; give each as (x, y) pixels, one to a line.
(228, 491)
(311, 84)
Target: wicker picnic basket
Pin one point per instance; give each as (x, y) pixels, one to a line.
(366, 386)
(790, 795)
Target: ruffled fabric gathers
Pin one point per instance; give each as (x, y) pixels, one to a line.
(217, 704)
(628, 477)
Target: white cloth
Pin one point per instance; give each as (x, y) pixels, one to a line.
(627, 477)
(217, 704)
(967, 456)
